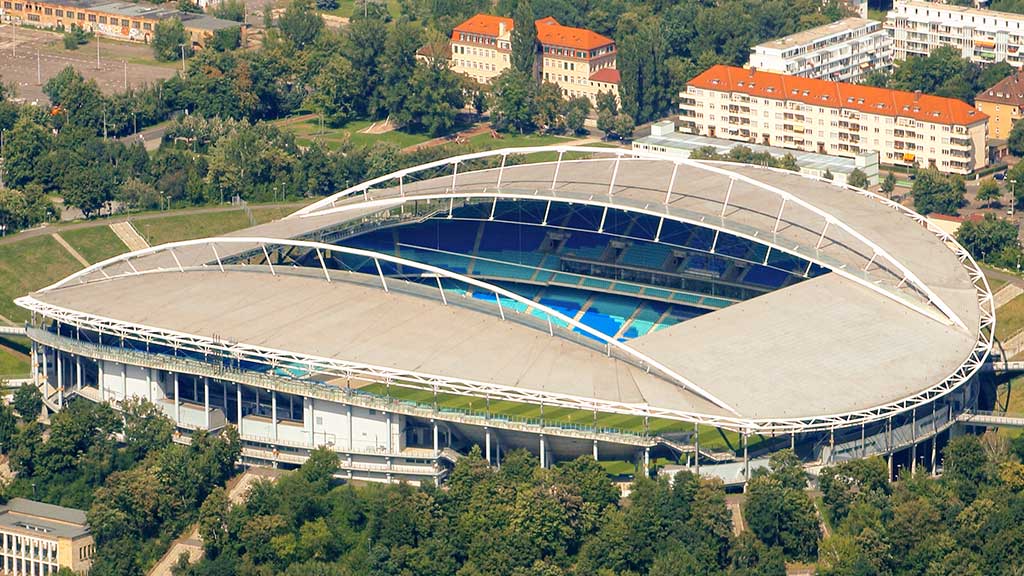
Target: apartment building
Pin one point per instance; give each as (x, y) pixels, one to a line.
(37, 539)
(581, 62)
(131, 21)
(984, 36)
(906, 128)
(843, 51)
(1004, 104)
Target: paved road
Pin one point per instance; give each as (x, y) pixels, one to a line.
(50, 229)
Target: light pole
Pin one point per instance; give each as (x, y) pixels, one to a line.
(182, 59)
(97, 51)
(1013, 199)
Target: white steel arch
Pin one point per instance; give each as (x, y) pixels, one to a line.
(328, 205)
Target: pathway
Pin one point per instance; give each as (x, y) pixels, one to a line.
(1007, 293)
(129, 235)
(190, 544)
(734, 502)
(60, 240)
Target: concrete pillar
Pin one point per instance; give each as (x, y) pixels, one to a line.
(99, 382)
(78, 373)
(238, 407)
(387, 417)
(543, 453)
(497, 450)
(273, 413)
(46, 368)
(206, 401)
(487, 445)
(792, 441)
(595, 449)
(647, 461)
(746, 461)
(696, 448)
(177, 398)
(434, 423)
(124, 382)
(350, 431)
(935, 438)
(149, 383)
(60, 377)
(889, 459)
(35, 366)
(309, 419)
(913, 459)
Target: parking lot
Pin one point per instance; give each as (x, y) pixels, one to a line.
(28, 58)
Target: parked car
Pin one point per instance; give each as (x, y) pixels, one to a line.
(1000, 176)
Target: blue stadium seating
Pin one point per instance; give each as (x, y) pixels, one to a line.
(646, 255)
(764, 276)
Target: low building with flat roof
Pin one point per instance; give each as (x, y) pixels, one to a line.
(38, 538)
(132, 21)
(664, 139)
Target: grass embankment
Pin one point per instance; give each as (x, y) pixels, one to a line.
(1010, 318)
(29, 265)
(710, 438)
(309, 130)
(200, 225)
(14, 357)
(347, 7)
(96, 243)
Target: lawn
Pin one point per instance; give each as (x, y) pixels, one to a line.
(346, 7)
(309, 130)
(1015, 404)
(96, 243)
(188, 226)
(1010, 318)
(29, 265)
(994, 284)
(14, 357)
(710, 438)
(486, 142)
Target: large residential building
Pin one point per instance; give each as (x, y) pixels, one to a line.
(984, 36)
(844, 51)
(38, 539)
(906, 128)
(580, 62)
(1004, 104)
(132, 21)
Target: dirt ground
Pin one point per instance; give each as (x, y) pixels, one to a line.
(28, 58)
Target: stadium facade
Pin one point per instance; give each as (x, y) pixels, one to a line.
(563, 299)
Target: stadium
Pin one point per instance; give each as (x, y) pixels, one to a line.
(566, 300)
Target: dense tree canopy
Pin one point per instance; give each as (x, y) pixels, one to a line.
(934, 191)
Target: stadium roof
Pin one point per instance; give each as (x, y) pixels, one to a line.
(905, 316)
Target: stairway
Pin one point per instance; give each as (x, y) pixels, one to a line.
(129, 235)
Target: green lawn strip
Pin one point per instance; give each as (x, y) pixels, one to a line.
(14, 357)
(1010, 318)
(1015, 405)
(29, 265)
(95, 244)
(347, 7)
(307, 131)
(204, 224)
(486, 142)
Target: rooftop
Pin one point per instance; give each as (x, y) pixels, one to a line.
(549, 31)
(610, 75)
(46, 519)
(810, 160)
(922, 4)
(146, 10)
(1009, 90)
(809, 36)
(866, 99)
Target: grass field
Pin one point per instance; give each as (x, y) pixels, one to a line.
(29, 265)
(95, 244)
(346, 7)
(309, 130)
(710, 438)
(1010, 318)
(189, 226)
(14, 357)
(1015, 403)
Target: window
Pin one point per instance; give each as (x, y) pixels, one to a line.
(103, 19)
(33, 17)
(17, 6)
(70, 14)
(147, 26)
(80, 16)
(124, 23)
(92, 17)
(7, 5)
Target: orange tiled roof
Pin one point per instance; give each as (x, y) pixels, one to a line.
(610, 75)
(484, 24)
(549, 31)
(866, 99)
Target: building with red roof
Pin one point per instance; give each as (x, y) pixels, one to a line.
(581, 62)
(906, 128)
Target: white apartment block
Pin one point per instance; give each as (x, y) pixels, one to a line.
(843, 51)
(983, 36)
(835, 118)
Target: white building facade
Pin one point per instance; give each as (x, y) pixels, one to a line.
(843, 51)
(983, 36)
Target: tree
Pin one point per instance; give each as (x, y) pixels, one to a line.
(524, 39)
(213, 516)
(75, 37)
(336, 92)
(857, 178)
(300, 24)
(514, 100)
(146, 427)
(28, 402)
(8, 428)
(436, 96)
(781, 516)
(169, 40)
(1016, 140)
(889, 184)
(549, 107)
(937, 192)
(965, 466)
(988, 191)
(624, 126)
(644, 83)
(576, 113)
(226, 39)
(326, 5)
(228, 10)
